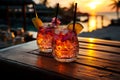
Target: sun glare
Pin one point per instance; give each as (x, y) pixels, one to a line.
(83, 5)
(93, 5)
(92, 23)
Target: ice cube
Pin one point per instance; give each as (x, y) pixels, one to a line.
(65, 31)
(57, 31)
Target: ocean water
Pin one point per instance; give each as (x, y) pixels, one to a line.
(95, 23)
(109, 15)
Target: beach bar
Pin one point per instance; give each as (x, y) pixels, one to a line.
(93, 59)
(22, 3)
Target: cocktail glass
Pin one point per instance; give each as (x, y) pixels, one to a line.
(65, 46)
(44, 39)
(45, 33)
(45, 36)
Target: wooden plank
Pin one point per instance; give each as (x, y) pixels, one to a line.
(104, 60)
(99, 63)
(25, 47)
(27, 72)
(77, 71)
(100, 55)
(104, 48)
(92, 63)
(91, 60)
(99, 41)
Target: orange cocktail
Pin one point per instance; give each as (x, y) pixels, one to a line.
(45, 33)
(66, 47)
(44, 39)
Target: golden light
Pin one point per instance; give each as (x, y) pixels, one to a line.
(13, 36)
(92, 23)
(90, 46)
(83, 5)
(90, 53)
(91, 39)
(92, 5)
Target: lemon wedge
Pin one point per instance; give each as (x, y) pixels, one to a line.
(78, 27)
(37, 22)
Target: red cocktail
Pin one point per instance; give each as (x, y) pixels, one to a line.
(65, 47)
(44, 39)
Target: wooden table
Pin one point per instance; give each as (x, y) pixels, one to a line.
(97, 60)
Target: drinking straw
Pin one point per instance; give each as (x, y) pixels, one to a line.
(35, 11)
(56, 13)
(74, 19)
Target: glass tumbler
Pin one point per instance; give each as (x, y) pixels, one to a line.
(65, 46)
(44, 39)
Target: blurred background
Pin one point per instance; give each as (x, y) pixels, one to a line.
(101, 19)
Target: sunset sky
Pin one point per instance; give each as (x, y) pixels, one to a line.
(83, 5)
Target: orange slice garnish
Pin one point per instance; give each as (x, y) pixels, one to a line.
(37, 22)
(78, 27)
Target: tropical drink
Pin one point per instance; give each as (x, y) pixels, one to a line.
(45, 34)
(66, 45)
(44, 39)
